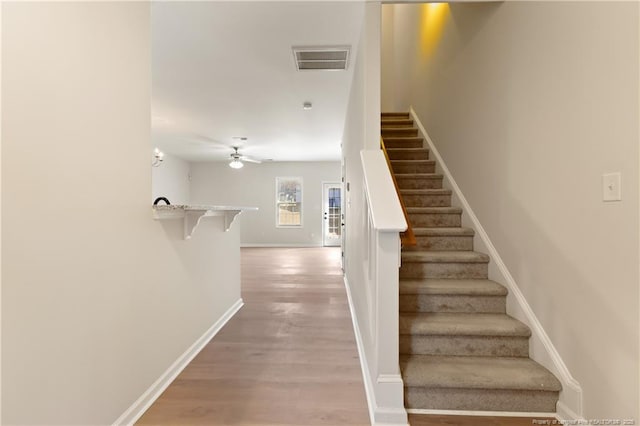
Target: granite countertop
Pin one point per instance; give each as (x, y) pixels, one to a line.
(187, 207)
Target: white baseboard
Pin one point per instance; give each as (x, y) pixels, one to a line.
(368, 385)
(268, 245)
(374, 411)
(479, 413)
(571, 394)
(138, 408)
(566, 414)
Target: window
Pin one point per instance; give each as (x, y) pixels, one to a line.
(288, 202)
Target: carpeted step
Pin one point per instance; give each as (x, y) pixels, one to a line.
(444, 264)
(478, 383)
(434, 217)
(399, 132)
(394, 115)
(418, 180)
(463, 334)
(443, 239)
(443, 295)
(396, 122)
(391, 142)
(426, 197)
(408, 153)
(413, 166)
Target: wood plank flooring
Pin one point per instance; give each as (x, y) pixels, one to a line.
(288, 357)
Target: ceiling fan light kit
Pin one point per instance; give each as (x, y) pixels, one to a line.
(236, 164)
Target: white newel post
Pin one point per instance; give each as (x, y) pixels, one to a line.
(390, 392)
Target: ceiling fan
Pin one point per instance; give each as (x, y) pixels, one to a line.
(237, 159)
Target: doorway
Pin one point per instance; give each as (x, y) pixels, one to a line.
(331, 214)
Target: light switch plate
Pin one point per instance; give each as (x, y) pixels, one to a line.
(611, 187)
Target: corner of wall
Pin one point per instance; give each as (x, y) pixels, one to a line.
(142, 404)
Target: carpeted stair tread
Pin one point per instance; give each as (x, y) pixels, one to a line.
(415, 150)
(402, 139)
(397, 122)
(437, 232)
(434, 210)
(413, 162)
(444, 257)
(437, 191)
(476, 373)
(452, 287)
(418, 175)
(462, 324)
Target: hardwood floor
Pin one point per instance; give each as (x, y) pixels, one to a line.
(288, 357)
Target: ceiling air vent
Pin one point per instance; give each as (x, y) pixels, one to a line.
(321, 58)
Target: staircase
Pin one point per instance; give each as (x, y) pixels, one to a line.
(459, 350)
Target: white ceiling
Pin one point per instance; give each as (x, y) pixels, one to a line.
(225, 69)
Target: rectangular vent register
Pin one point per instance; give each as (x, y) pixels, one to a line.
(321, 58)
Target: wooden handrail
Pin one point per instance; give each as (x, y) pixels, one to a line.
(408, 238)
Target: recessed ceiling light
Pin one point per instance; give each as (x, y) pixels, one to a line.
(307, 106)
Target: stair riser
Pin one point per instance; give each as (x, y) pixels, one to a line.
(444, 270)
(480, 399)
(464, 345)
(399, 132)
(435, 220)
(442, 243)
(419, 183)
(427, 200)
(452, 303)
(423, 154)
(396, 122)
(401, 143)
(404, 168)
(394, 115)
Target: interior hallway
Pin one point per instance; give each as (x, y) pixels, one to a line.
(288, 357)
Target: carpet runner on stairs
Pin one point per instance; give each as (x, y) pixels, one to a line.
(459, 350)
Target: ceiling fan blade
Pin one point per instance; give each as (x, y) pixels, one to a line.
(250, 160)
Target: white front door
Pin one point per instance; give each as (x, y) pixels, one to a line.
(331, 214)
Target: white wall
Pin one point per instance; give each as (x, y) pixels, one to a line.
(254, 186)
(171, 180)
(530, 103)
(98, 299)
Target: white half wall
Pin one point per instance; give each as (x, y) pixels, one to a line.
(171, 180)
(98, 299)
(529, 103)
(362, 132)
(255, 186)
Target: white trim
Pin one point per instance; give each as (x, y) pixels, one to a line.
(142, 404)
(564, 413)
(571, 394)
(478, 413)
(0, 227)
(284, 245)
(368, 384)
